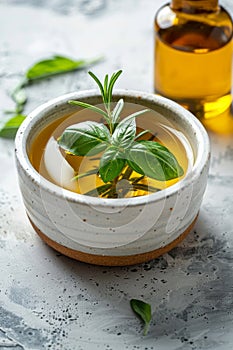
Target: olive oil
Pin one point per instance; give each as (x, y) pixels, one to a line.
(193, 55)
(61, 168)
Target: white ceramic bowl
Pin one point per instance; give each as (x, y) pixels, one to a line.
(112, 231)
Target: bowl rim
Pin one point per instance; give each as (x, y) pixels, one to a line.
(22, 158)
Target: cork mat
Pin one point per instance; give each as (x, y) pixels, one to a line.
(105, 260)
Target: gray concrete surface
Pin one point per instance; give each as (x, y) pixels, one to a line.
(48, 301)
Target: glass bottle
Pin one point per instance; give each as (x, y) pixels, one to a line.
(193, 55)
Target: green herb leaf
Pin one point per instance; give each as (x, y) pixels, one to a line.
(112, 82)
(107, 87)
(132, 116)
(102, 90)
(87, 138)
(142, 161)
(117, 111)
(153, 160)
(124, 134)
(88, 173)
(91, 107)
(42, 69)
(56, 65)
(10, 128)
(111, 164)
(142, 133)
(143, 310)
(167, 160)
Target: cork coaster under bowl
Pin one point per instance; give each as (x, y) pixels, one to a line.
(106, 260)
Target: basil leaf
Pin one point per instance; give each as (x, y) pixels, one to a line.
(117, 111)
(10, 128)
(153, 160)
(141, 160)
(143, 310)
(86, 138)
(55, 65)
(124, 134)
(111, 164)
(167, 160)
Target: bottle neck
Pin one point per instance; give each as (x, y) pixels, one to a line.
(194, 6)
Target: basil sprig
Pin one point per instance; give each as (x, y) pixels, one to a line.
(40, 70)
(122, 151)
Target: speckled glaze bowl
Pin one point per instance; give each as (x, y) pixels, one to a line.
(112, 232)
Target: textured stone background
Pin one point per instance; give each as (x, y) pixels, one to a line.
(48, 301)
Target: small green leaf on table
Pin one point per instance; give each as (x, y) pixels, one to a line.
(143, 310)
(56, 65)
(10, 128)
(42, 69)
